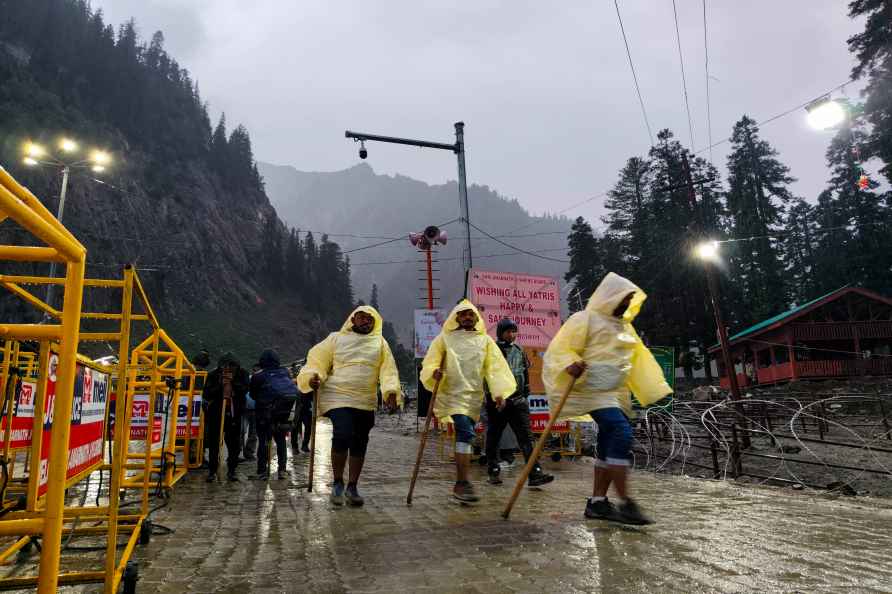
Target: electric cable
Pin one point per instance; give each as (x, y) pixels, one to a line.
(684, 84)
(634, 74)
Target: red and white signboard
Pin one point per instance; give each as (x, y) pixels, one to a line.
(533, 302)
(23, 417)
(139, 420)
(539, 414)
(184, 419)
(85, 442)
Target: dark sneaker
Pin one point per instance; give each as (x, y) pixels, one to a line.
(231, 477)
(337, 493)
(630, 513)
(465, 492)
(212, 478)
(495, 477)
(305, 448)
(249, 457)
(601, 510)
(283, 474)
(260, 476)
(353, 497)
(539, 478)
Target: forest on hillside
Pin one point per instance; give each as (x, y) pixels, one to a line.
(777, 249)
(181, 199)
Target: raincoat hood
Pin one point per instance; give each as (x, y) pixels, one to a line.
(610, 292)
(379, 321)
(269, 359)
(451, 324)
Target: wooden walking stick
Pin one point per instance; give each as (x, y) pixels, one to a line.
(540, 444)
(427, 424)
(227, 401)
(313, 439)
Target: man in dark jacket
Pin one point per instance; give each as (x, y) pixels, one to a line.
(515, 410)
(224, 390)
(274, 395)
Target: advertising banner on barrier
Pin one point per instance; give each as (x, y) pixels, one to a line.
(22, 417)
(533, 302)
(539, 413)
(85, 442)
(139, 420)
(428, 323)
(185, 420)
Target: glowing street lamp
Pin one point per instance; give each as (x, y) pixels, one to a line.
(825, 114)
(708, 251)
(36, 154)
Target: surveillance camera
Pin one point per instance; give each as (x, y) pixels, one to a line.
(362, 152)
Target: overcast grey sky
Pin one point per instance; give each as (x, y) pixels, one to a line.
(544, 88)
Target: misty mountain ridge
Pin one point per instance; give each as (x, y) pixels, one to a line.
(358, 207)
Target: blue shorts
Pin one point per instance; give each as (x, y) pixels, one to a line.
(464, 428)
(614, 447)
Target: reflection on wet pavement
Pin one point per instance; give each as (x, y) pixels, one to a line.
(710, 536)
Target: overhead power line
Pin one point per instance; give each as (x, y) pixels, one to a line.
(684, 84)
(634, 74)
(706, 54)
(521, 250)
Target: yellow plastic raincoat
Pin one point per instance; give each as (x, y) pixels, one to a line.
(618, 362)
(471, 359)
(351, 366)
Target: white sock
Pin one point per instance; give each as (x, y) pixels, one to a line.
(597, 499)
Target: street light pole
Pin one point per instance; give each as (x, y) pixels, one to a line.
(463, 194)
(459, 149)
(50, 288)
(708, 253)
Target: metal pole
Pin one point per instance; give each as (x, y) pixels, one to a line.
(430, 279)
(713, 284)
(463, 195)
(51, 287)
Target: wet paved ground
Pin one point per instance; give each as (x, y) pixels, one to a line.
(710, 536)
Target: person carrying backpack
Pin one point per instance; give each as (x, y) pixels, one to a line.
(274, 394)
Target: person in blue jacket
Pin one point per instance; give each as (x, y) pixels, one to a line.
(274, 395)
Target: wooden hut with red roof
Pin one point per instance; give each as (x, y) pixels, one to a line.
(846, 333)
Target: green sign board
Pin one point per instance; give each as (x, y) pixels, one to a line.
(665, 356)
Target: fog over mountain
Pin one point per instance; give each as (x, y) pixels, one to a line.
(360, 208)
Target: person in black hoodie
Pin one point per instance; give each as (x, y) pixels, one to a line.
(515, 409)
(224, 390)
(274, 394)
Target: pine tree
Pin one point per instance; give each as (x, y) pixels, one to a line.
(219, 147)
(586, 269)
(629, 217)
(757, 194)
(864, 239)
(373, 300)
(873, 49)
(798, 249)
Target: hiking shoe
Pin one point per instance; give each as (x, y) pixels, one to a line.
(249, 457)
(630, 513)
(539, 478)
(212, 478)
(601, 510)
(305, 448)
(231, 477)
(465, 492)
(283, 474)
(337, 493)
(495, 476)
(353, 497)
(260, 476)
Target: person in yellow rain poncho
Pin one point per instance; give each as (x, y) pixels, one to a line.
(600, 348)
(463, 357)
(347, 369)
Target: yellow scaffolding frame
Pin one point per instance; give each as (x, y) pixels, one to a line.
(20, 205)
